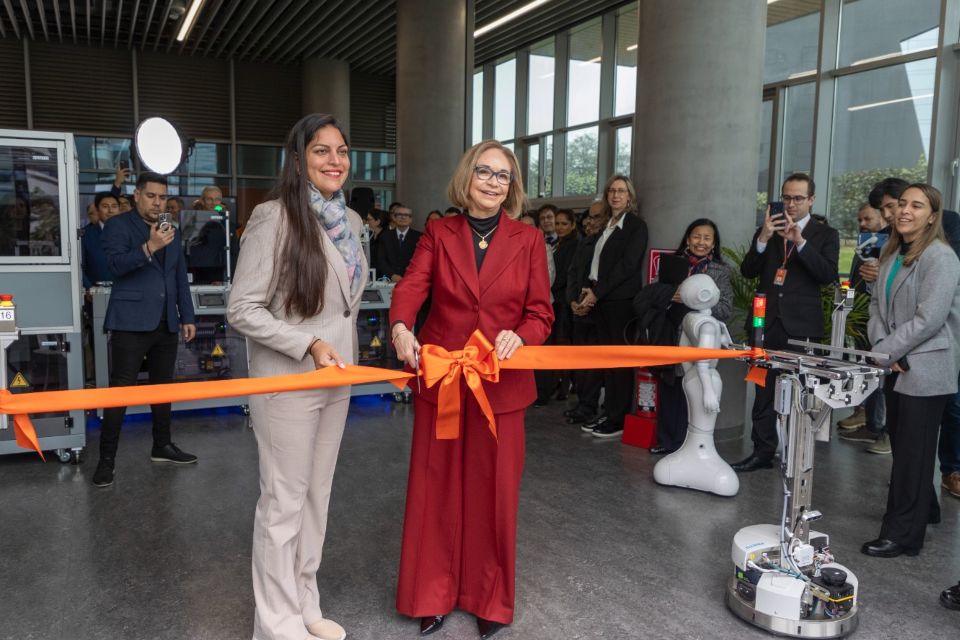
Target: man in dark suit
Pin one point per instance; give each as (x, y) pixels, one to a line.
(149, 305)
(794, 256)
(94, 261)
(396, 246)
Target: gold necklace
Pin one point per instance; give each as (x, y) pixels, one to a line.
(483, 244)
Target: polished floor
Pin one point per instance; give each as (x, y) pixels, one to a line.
(603, 551)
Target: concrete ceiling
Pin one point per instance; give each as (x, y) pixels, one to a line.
(361, 32)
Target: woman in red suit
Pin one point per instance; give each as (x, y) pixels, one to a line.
(483, 270)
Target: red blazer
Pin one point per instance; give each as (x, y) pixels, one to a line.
(512, 291)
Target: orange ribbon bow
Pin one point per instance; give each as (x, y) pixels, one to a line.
(475, 362)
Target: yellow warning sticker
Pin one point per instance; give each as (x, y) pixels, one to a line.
(218, 351)
(19, 381)
(375, 342)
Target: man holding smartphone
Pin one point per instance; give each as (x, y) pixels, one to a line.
(793, 256)
(149, 306)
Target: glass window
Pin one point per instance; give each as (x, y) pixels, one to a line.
(209, 158)
(580, 174)
(533, 170)
(30, 202)
(624, 142)
(477, 105)
(798, 129)
(547, 166)
(375, 166)
(505, 99)
(583, 79)
(793, 33)
(258, 160)
(871, 29)
(540, 87)
(628, 25)
(102, 154)
(881, 128)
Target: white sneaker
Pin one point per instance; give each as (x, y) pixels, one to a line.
(326, 630)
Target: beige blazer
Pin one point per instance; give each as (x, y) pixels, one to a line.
(277, 343)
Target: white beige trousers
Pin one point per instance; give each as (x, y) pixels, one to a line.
(298, 439)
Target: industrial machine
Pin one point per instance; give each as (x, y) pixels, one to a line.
(40, 267)
(785, 576)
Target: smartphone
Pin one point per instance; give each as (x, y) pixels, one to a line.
(122, 164)
(777, 214)
(163, 221)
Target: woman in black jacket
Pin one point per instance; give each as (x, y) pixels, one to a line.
(615, 277)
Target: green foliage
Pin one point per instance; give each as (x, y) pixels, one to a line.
(581, 169)
(849, 190)
(743, 290)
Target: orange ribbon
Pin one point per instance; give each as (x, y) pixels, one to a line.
(475, 362)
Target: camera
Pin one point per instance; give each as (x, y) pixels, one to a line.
(163, 221)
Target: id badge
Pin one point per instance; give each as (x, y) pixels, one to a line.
(780, 277)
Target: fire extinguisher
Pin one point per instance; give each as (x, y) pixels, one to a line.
(648, 394)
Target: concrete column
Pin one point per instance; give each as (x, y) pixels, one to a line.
(325, 88)
(697, 133)
(434, 58)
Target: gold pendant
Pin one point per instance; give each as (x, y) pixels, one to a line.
(483, 244)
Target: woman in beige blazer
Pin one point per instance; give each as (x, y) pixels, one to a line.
(295, 296)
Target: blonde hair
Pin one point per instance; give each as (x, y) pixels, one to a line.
(458, 191)
(930, 234)
(631, 206)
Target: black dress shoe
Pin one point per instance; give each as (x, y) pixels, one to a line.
(752, 463)
(488, 627)
(950, 598)
(659, 451)
(429, 624)
(883, 548)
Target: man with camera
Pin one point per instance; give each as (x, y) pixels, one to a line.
(150, 306)
(794, 256)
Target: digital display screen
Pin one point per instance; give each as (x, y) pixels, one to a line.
(371, 296)
(210, 299)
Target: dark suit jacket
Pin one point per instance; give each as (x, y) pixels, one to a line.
(620, 276)
(797, 302)
(145, 291)
(510, 291)
(393, 257)
(93, 259)
(951, 226)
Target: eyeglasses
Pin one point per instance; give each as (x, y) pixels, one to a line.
(403, 215)
(793, 199)
(484, 173)
(617, 192)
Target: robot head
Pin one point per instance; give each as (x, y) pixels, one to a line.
(699, 292)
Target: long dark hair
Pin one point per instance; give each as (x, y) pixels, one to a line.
(302, 262)
(716, 255)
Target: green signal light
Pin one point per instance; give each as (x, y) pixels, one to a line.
(218, 208)
(757, 322)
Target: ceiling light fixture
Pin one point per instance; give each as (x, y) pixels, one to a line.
(189, 21)
(632, 47)
(513, 15)
(883, 103)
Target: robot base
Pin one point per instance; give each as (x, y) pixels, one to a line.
(814, 628)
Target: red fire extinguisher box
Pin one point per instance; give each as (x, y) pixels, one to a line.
(640, 427)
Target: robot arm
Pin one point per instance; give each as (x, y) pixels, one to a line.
(708, 337)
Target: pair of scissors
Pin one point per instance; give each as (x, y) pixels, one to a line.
(416, 354)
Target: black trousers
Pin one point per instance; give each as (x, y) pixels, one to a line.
(589, 382)
(672, 415)
(613, 316)
(764, 432)
(128, 349)
(913, 423)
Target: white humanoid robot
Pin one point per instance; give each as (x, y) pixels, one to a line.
(696, 464)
